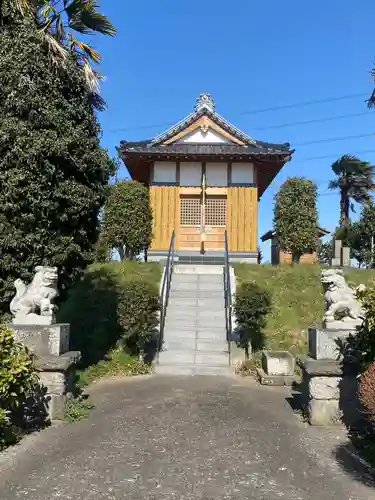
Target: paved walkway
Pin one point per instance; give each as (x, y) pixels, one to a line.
(183, 438)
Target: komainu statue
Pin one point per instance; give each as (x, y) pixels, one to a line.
(340, 301)
(33, 303)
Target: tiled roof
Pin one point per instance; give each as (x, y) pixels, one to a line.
(270, 234)
(256, 149)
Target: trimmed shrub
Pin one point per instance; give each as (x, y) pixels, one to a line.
(137, 308)
(366, 392)
(251, 306)
(363, 343)
(113, 304)
(18, 384)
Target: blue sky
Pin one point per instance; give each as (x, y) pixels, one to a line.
(250, 55)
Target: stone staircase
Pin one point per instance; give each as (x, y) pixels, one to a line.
(194, 334)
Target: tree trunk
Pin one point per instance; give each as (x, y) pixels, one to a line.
(121, 253)
(296, 257)
(344, 208)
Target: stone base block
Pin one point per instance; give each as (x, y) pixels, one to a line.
(57, 379)
(324, 412)
(329, 391)
(43, 340)
(275, 380)
(56, 406)
(324, 343)
(278, 363)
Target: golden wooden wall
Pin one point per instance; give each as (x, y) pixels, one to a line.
(166, 215)
(306, 258)
(242, 219)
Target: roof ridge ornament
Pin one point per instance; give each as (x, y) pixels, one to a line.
(205, 101)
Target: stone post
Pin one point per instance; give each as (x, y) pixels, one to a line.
(336, 259)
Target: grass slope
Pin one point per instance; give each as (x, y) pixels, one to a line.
(297, 299)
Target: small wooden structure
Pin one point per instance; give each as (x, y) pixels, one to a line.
(280, 256)
(205, 176)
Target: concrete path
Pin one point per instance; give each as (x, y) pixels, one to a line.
(183, 438)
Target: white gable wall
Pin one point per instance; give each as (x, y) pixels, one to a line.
(198, 136)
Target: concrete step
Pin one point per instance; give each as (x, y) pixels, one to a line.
(193, 322)
(190, 344)
(184, 357)
(198, 294)
(213, 333)
(180, 307)
(198, 269)
(193, 370)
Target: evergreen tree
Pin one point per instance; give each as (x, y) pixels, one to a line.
(53, 172)
(361, 237)
(296, 216)
(127, 219)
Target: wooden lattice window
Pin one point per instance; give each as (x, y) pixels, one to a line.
(190, 211)
(216, 211)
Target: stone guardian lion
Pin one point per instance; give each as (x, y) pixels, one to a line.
(33, 303)
(340, 301)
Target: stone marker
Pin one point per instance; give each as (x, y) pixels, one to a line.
(345, 256)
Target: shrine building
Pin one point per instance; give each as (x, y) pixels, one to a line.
(206, 178)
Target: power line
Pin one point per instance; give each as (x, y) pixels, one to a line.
(316, 120)
(301, 104)
(264, 110)
(334, 139)
(331, 156)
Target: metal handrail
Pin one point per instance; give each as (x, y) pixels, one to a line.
(227, 296)
(165, 289)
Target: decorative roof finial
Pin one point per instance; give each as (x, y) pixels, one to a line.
(205, 101)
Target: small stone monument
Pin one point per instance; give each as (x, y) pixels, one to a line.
(34, 324)
(329, 378)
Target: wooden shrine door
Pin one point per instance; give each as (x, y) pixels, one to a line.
(202, 222)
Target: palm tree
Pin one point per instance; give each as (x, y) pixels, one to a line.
(58, 20)
(354, 180)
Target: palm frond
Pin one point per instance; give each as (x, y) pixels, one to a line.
(22, 6)
(96, 21)
(90, 77)
(58, 52)
(89, 51)
(333, 184)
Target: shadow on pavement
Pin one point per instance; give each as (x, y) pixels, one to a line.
(349, 460)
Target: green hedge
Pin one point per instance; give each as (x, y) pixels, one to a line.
(113, 304)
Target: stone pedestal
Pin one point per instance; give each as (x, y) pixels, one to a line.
(56, 366)
(57, 380)
(330, 391)
(324, 343)
(43, 340)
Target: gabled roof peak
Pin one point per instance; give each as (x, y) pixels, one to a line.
(204, 106)
(205, 101)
